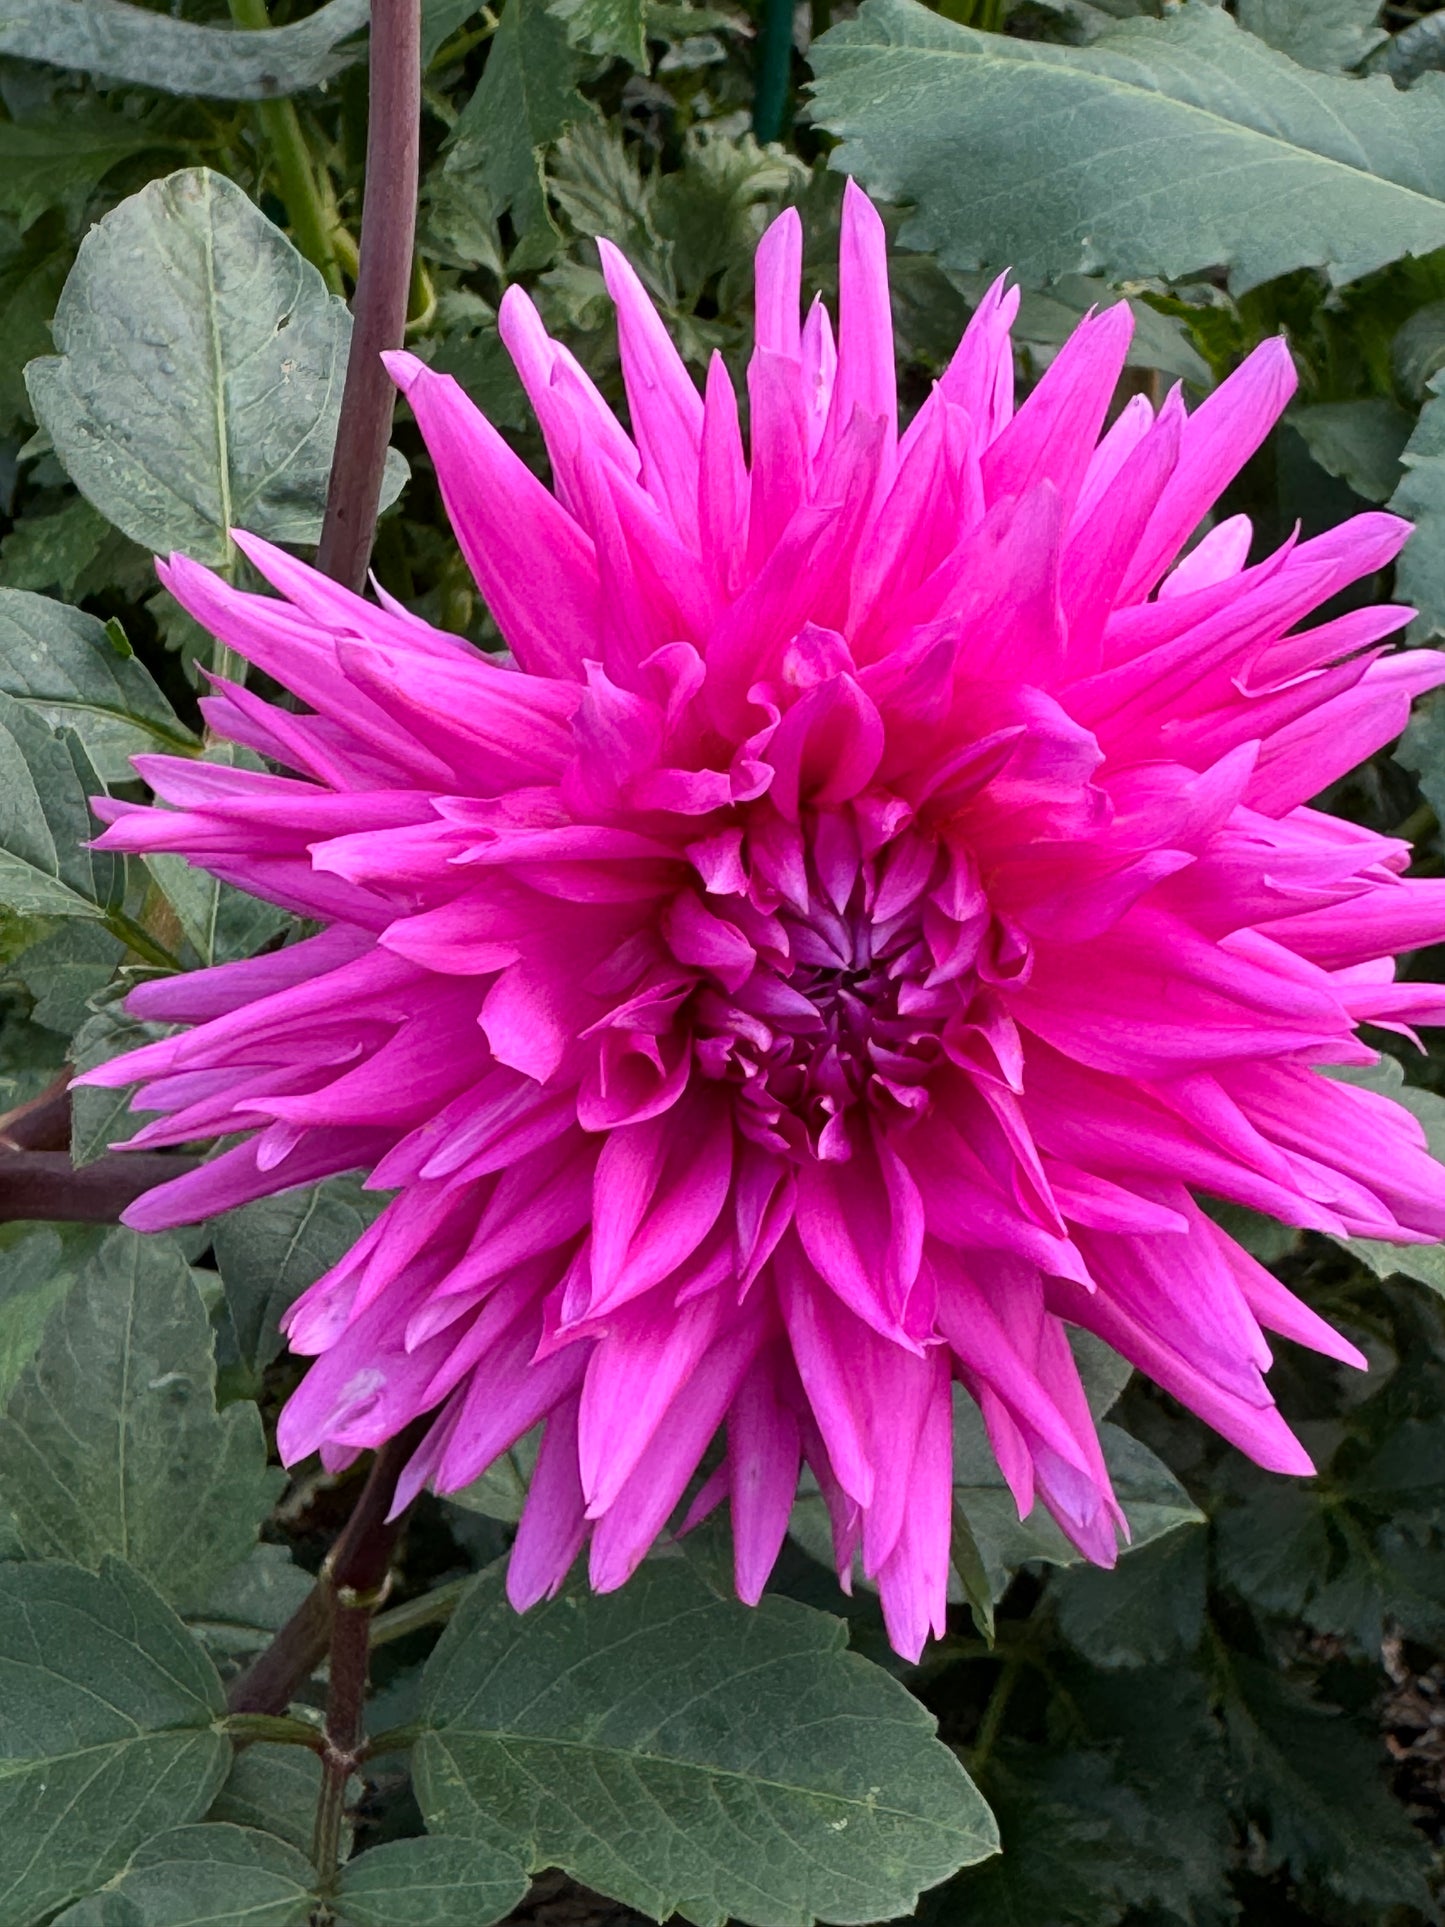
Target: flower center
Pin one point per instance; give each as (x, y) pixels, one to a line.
(850, 1018)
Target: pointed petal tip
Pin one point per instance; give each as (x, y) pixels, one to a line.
(405, 369)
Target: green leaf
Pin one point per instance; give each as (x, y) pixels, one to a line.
(440, 19)
(59, 163)
(249, 1605)
(796, 1779)
(1173, 146)
(501, 1491)
(431, 1882)
(527, 98)
(108, 1733)
(274, 1788)
(612, 28)
(111, 1441)
(1275, 1549)
(31, 276)
(118, 42)
(34, 1277)
(221, 922)
(270, 1251)
(1328, 34)
(1360, 441)
(1059, 1862)
(1417, 351)
(61, 664)
(1315, 1782)
(65, 969)
(100, 1117)
(1153, 1499)
(1149, 1609)
(199, 376)
(1420, 572)
(71, 551)
(1102, 1372)
(46, 781)
(204, 1876)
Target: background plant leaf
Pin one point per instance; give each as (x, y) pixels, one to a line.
(430, 1882)
(527, 98)
(110, 1442)
(201, 1875)
(1328, 34)
(1186, 144)
(571, 1730)
(121, 42)
(46, 782)
(198, 379)
(270, 1251)
(63, 665)
(108, 1732)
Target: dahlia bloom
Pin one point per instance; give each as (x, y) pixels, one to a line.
(828, 961)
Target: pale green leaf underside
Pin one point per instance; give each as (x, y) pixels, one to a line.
(115, 41)
(1166, 147)
(199, 374)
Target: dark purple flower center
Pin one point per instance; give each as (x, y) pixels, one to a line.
(852, 1016)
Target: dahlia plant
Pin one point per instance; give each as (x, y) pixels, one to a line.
(824, 963)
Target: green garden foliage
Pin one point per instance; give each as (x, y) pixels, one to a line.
(1227, 1727)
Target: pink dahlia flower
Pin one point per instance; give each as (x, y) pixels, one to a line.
(829, 961)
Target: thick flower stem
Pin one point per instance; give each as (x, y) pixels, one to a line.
(388, 230)
(355, 1572)
(345, 1700)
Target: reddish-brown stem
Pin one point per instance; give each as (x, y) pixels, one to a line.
(388, 231)
(357, 1566)
(45, 1184)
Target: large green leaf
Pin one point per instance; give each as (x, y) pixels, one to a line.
(1328, 34)
(100, 1117)
(46, 781)
(204, 1876)
(249, 1605)
(62, 664)
(108, 1733)
(274, 1788)
(34, 1277)
(432, 1882)
(527, 97)
(64, 969)
(270, 1251)
(685, 1753)
(1148, 1610)
(111, 1442)
(1164, 148)
(1420, 572)
(116, 41)
(198, 382)
(1360, 441)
